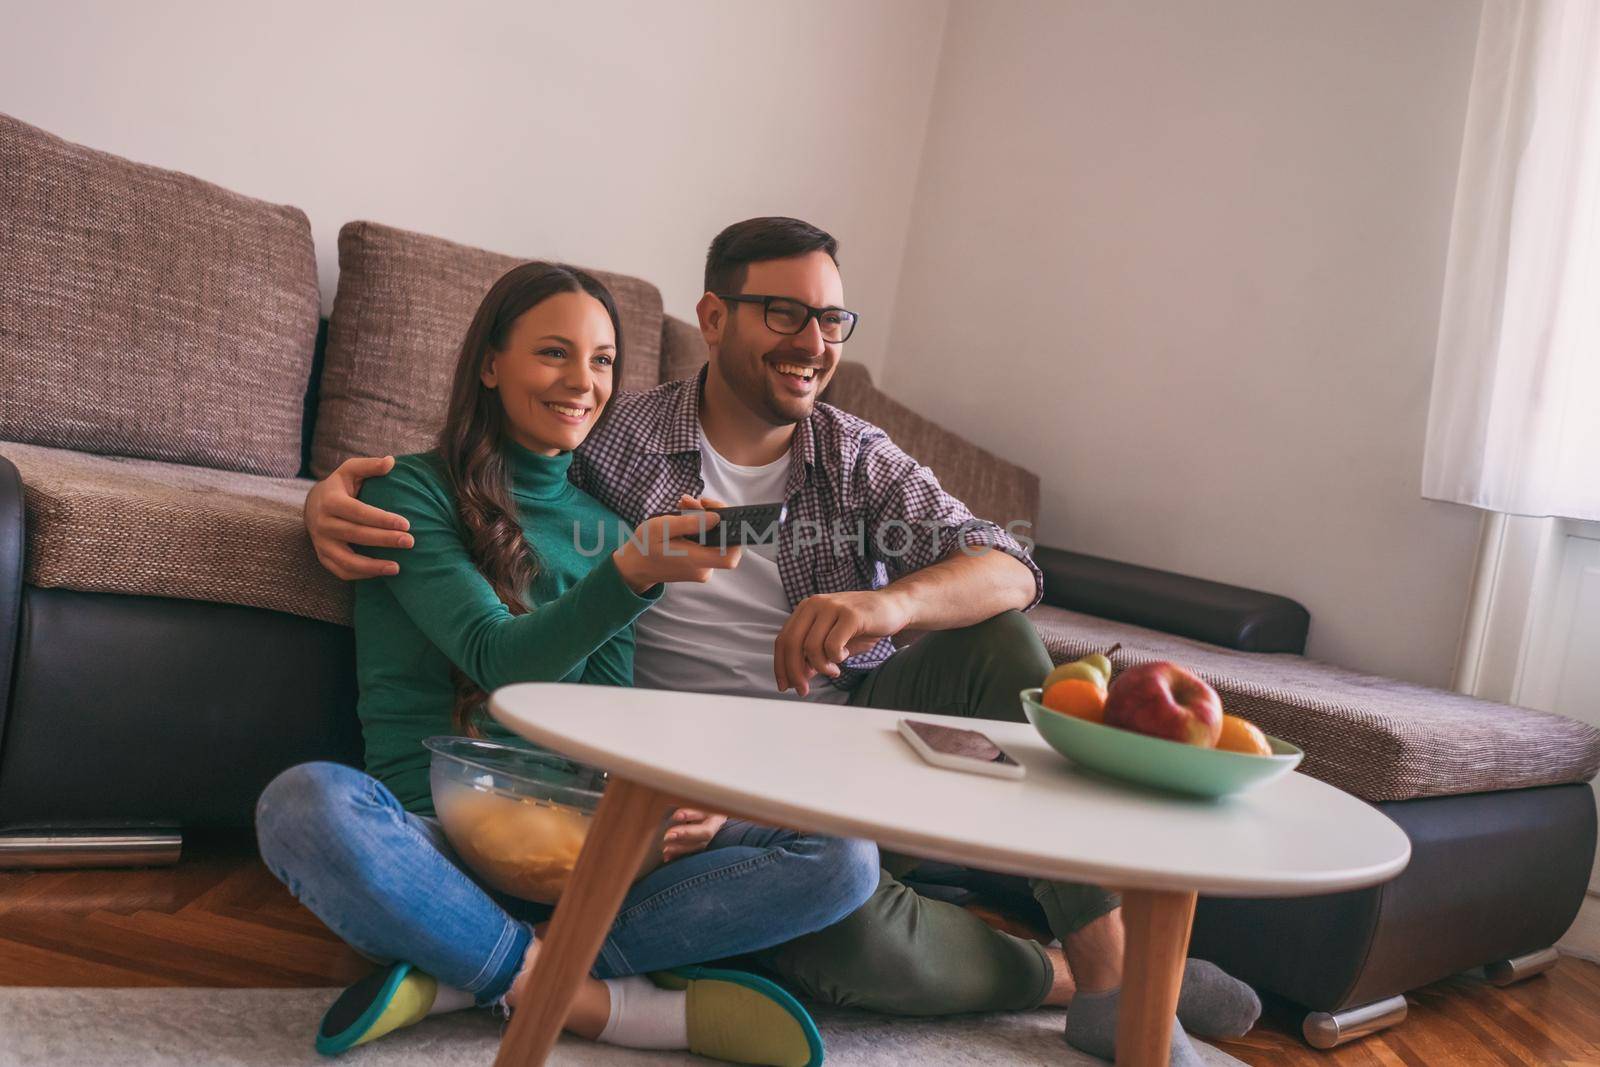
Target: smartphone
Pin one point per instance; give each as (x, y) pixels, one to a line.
(753, 524)
(959, 750)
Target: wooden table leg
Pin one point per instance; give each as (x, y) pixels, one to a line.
(624, 826)
(1157, 925)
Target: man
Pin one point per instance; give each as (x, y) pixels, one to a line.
(872, 548)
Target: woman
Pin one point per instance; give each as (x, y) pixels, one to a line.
(505, 584)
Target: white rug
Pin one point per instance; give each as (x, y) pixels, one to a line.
(259, 1027)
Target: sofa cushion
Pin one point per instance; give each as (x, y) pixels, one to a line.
(403, 305)
(110, 525)
(1373, 737)
(147, 313)
(683, 349)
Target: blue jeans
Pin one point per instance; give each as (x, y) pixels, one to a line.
(387, 882)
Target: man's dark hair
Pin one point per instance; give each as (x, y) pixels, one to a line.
(757, 240)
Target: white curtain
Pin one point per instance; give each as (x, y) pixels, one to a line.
(1514, 418)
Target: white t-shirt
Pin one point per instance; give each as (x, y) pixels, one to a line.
(717, 637)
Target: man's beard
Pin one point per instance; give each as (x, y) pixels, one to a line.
(765, 401)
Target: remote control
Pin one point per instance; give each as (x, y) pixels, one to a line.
(753, 524)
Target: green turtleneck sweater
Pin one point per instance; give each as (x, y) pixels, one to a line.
(440, 611)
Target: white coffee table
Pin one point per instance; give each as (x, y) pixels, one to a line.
(845, 771)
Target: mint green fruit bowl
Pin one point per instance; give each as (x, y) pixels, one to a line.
(1155, 761)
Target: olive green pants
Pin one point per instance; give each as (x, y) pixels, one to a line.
(907, 953)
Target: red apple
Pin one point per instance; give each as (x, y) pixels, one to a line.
(1164, 700)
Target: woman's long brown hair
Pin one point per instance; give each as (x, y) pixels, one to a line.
(473, 447)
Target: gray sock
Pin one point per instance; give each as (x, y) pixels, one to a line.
(1213, 1003)
(1092, 1027)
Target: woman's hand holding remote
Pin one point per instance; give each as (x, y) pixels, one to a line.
(659, 550)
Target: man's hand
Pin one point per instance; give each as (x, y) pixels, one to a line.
(690, 832)
(335, 519)
(827, 629)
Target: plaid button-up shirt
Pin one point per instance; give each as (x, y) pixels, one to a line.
(861, 512)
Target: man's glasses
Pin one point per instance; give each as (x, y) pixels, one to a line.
(788, 316)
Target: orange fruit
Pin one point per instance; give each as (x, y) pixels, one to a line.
(1241, 735)
(1078, 698)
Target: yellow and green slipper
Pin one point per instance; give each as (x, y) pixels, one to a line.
(744, 1018)
(384, 1001)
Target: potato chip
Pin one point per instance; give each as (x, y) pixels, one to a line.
(524, 847)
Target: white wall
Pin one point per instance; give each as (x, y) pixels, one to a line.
(1185, 261)
(620, 135)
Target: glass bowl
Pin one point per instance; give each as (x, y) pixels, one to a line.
(517, 815)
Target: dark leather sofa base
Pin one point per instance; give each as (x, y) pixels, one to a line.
(137, 712)
(1492, 876)
(1227, 615)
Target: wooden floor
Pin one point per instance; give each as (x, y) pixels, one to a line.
(219, 918)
